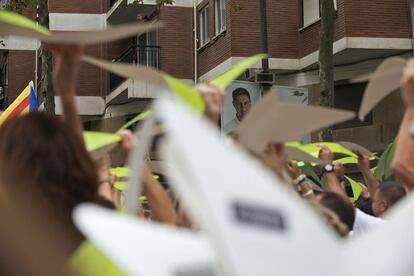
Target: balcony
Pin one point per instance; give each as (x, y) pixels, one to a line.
(125, 11)
(136, 54)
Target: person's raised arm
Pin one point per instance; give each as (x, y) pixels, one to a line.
(301, 182)
(213, 98)
(65, 74)
(370, 180)
(159, 202)
(330, 179)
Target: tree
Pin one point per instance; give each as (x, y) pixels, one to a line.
(43, 16)
(326, 66)
(21, 5)
(47, 63)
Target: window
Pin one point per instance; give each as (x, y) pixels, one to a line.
(311, 11)
(148, 50)
(220, 7)
(204, 26)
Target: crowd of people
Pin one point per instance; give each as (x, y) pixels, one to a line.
(45, 172)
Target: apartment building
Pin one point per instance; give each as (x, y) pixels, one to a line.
(366, 32)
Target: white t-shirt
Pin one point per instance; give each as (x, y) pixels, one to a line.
(232, 125)
(364, 222)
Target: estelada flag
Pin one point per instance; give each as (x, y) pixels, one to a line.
(26, 102)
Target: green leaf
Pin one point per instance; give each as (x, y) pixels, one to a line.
(383, 170)
(298, 93)
(347, 160)
(313, 149)
(120, 171)
(293, 144)
(356, 188)
(390, 157)
(89, 260)
(308, 170)
(96, 140)
(120, 186)
(225, 79)
(188, 94)
(22, 21)
(138, 118)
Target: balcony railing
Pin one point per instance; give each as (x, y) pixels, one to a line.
(136, 54)
(112, 2)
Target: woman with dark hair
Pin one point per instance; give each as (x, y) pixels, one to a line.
(43, 161)
(46, 171)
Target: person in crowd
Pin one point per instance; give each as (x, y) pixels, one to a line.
(337, 211)
(45, 158)
(384, 195)
(340, 206)
(364, 202)
(362, 221)
(42, 158)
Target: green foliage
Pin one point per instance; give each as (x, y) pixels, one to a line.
(383, 170)
(235, 6)
(159, 2)
(20, 5)
(300, 94)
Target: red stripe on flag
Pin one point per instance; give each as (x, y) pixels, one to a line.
(19, 109)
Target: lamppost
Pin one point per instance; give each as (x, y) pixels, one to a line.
(264, 75)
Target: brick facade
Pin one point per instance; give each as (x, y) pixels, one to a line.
(381, 18)
(21, 66)
(79, 6)
(176, 41)
(309, 36)
(288, 39)
(117, 48)
(219, 48)
(93, 81)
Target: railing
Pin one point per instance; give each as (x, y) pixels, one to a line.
(136, 54)
(112, 2)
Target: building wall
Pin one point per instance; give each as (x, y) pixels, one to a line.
(117, 48)
(176, 41)
(283, 26)
(381, 18)
(386, 119)
(21, 66)
(288, 39)
(78, 6)
(92, 81)
(219, 48)
(387, 116)
(309, 36)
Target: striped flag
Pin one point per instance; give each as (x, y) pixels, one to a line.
(26, 102)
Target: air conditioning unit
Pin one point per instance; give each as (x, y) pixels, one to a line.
(250, 74)
(4, 3)
(268, 78)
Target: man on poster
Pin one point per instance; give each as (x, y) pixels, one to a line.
(242, 104)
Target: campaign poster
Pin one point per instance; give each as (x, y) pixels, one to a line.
(240, 97)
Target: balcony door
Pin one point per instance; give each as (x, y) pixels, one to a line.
(148, 50)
